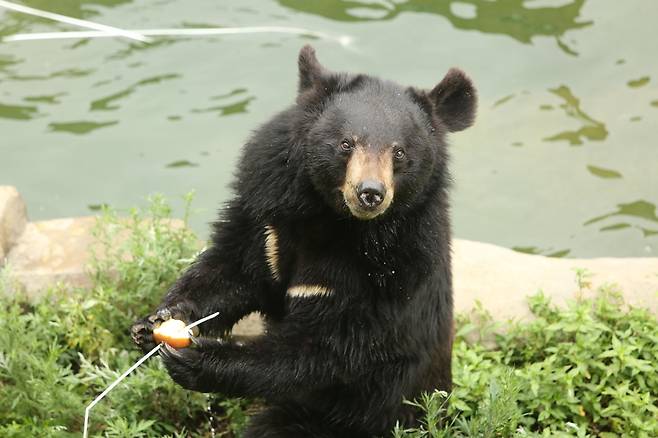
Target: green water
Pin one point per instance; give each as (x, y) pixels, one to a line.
(563, 159)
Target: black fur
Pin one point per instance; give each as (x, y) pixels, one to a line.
(341, 364)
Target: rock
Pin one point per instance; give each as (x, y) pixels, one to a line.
(52, 251)
(501, 279)
(13, 218)
(55, 251)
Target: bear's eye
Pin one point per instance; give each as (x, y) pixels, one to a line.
(346, 145)
(399, 154)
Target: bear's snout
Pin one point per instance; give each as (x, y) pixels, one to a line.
(370, 193)
(368, 187)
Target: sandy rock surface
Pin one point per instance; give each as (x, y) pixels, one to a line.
(52, 251)
(501, 278)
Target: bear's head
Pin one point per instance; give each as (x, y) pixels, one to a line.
(372, 146)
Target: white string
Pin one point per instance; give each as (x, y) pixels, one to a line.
(343, 40)
(115, 383)
(130, 370)
(104, 29)
(201, 321)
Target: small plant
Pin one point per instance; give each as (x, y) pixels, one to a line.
(583, 280)
(497, 414)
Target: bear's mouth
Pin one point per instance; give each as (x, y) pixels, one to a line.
(360, 212)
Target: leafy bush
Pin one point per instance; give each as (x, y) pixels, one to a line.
(58, 354)
(587, 370)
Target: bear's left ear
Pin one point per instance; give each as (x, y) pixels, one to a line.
(310, 70)
(455, 100)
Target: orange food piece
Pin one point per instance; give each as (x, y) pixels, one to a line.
(172, 332)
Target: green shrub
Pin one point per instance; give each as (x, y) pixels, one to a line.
(587, 370)
(57, 355)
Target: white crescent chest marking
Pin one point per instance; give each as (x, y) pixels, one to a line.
(272, 251)
(309, 290)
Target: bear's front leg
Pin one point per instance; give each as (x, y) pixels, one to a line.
(211, 284)
(259, 369)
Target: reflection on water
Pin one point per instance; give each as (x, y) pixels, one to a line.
(227, 110)
(50, 98)
(98, 207)
(135, 47)
(103, 104)
(548, 252)
(640, 82)
(654, 103)
(18, 112)
(643, 210)
(6, 61)
(503, 100)
(68, 73)
(81, 127)
(518, 19)
(230, 94)
(639, 209)
(591, 129)
(232, 108)
(181, 163)
(614, 227)
(603, 173)
(648, 233)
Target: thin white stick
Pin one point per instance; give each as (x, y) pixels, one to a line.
(130, 370)
(107, 30)
(115, 383)
(201, 321)
(343, 40)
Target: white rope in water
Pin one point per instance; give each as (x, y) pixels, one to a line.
(343, 40)
(104, 29)
(130, 370)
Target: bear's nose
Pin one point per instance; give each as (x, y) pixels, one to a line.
(371, 193)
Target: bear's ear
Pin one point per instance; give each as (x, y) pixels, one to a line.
(455, 100)
(310, 70)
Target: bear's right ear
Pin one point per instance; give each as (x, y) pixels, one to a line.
(310, 70)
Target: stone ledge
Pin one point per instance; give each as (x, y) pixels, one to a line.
(55, 251)
(49, 252)
(501, 279)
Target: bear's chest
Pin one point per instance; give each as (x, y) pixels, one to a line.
(318, 261)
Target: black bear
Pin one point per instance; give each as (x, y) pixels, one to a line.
(339, 235)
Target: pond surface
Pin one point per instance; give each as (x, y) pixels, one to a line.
(563, 159)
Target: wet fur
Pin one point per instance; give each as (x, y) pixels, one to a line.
(330, 364)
